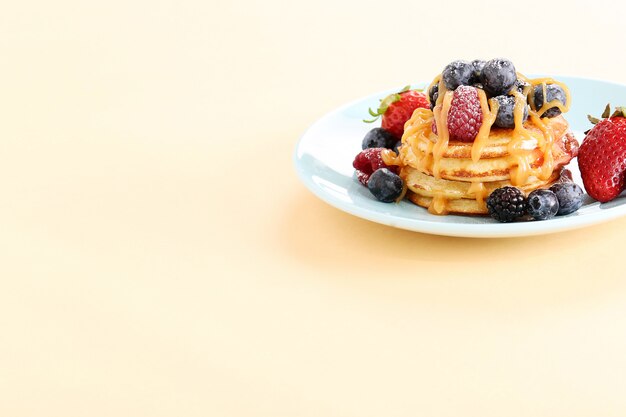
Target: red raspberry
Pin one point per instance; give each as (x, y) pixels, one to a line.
(368, 161)
(602, 157)
(465, 116)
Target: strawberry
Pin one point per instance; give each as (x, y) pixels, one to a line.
(465, 115)
(397, 108)
(368, 161)
(602, 156)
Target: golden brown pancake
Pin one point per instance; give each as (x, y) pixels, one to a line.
(462, 184)
(428, 186)
(458, 199)
(495, 158)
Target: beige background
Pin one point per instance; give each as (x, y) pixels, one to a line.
(158, 256)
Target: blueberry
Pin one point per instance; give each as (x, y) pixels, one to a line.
(434, 102)
(554, 92)
(498, 76)
(542, 204)
(520, 85)
(457, 73)
(477, 66)
(433, 94)
(570, 197)
(396, 147)
(378, 138)
(505, 117)
(385, 185)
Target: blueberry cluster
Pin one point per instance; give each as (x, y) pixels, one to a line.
(498, 78)
(508, 204)
(385, 185)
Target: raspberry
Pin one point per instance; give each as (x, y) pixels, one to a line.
(368, 161)
(465, 116)
(506, 204)
(566, 176)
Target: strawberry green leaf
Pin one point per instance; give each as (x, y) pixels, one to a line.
(619, 112)
(607, 111)
(385, 103)
(593, 120)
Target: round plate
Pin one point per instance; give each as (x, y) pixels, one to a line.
(325, 152)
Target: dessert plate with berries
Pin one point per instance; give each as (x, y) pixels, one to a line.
(481, 151)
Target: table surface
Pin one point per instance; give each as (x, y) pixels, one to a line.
(159, 257)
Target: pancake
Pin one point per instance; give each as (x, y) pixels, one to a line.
(429, 186)
(457, 197)
(452, 182)
(449, 176)
(496, 160)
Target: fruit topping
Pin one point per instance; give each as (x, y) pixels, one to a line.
(506, 107)
(433, 95)
(542, 204)
(457, 73)
(465, 115)
(397, 108)
(506, 204)
(570, 197)
(566, 176)
(378, 138)
(498, 77)
(553, 92)
(602, 156)
(396, 147)
(368, 161)
(385, 185)
(477, 66)
(520, 85)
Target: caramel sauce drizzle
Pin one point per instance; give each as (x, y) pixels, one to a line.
(441, 119)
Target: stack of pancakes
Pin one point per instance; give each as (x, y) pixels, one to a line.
(453, 182)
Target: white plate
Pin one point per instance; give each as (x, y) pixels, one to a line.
(325, 152)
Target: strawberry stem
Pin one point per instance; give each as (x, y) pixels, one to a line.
(620, 111)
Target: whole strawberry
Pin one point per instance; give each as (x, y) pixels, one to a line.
(465, 115)
(602, 156)
(397, 108)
